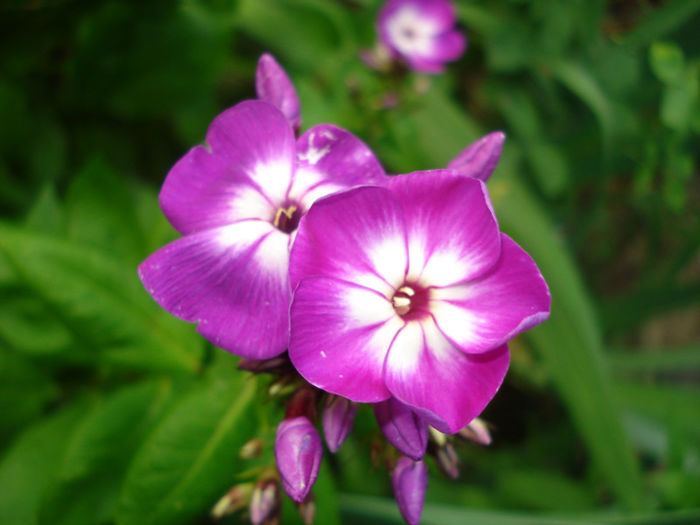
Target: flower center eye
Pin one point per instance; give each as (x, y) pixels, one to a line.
(287, 219)
(411, 302)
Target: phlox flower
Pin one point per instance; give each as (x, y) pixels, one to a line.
(421, 32)
(237, 202)
(410, 291)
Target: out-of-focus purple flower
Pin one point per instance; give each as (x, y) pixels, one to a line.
(410, 479)
(273, 85)
(238, 201)
(298, 454)
(402, 427)
(265, 501)
(410, 290)
(338, 417)
(422, 32)
(479, 159)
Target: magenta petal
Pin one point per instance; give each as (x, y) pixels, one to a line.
(452, 230)
(410, 480)
(447, 47)
(356, 235)
(445, 386)
(338, 417)
(481, 315)
(298, 453)
(232, 281)
(480, 158)
(202, 191)
(274, 86)
(402, 427)
(330, 159)
(339, 337)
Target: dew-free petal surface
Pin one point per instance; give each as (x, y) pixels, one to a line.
(482, 314)
(479, 159)
(232, 281)
(452, 230)
(447, 387)
(273, 85)
(340, 335)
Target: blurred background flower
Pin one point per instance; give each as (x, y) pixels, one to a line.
(115, 412)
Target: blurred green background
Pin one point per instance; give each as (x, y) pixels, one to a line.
(112, 411)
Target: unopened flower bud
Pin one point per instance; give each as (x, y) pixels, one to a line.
(235, 499)
(479, 159)
(402, 427)
(338, 417)
(410, 479)
(251, 449)
(276, 365)
(476, 431)
(265, 501)
(298, 453)
(447, 460)
(307, 510)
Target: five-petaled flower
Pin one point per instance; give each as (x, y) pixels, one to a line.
(411, 291)
(238, 201)
(422, 33)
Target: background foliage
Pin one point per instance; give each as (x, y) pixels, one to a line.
(114, 412)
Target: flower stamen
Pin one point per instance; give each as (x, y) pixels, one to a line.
(287, 219)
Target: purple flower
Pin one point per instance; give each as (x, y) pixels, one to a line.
(410, 479)
(411, 291)
(402, 427)
(273, 85)
(298, 454)
(479, 159)
(422, 33)
(238, 201)
(338, 417)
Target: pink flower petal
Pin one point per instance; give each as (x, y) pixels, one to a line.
(447, 387)
(232, 281)
(274, 86)
(479, 159)
(357, 235)
(452, 230)
(482, 314)
(340, 335)
(331, 159)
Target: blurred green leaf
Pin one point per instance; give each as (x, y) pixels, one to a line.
(661, 21)
(46, 214)
(667, 61)
(539, 489)
(191, 458)
(101, 302)
(655, 360)
(28, 467)
(98, 453)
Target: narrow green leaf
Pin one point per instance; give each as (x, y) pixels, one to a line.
(191, 458)
(662, 21)
(655, 360)
(27, 469)
(98, 454)
(100, 301)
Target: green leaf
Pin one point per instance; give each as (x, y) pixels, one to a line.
(569, 343)
(97, 455)
(101, 302)
(27, 469)
(46, 214)
(655, 360)
(662, 21)
(191, 458)
(667, 61)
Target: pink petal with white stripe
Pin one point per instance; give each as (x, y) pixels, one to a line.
(340, 335)
(447, 387)
(357, 235)
(482, 314)
(452, 230)
(232, 281)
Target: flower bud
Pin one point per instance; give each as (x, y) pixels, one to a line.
(479, 159)
(235, 499)
(447, 460)
(338, 417)
(298, 453)
(276, 365)
(476, 431)
(251, 449)
(307, 510)
(402, 427)
(410, 479)
(265, 501)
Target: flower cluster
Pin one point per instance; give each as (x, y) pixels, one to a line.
(303, 257)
